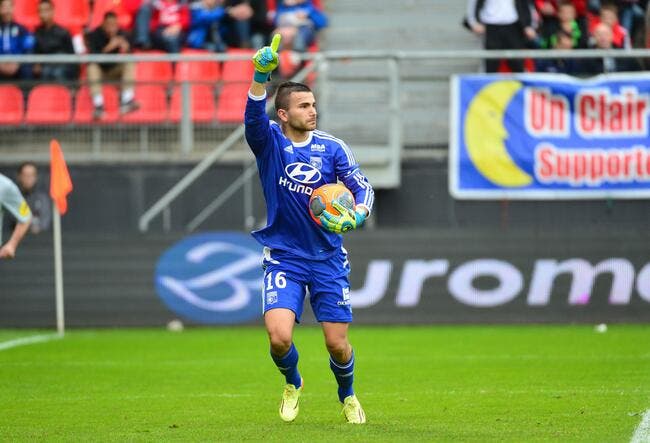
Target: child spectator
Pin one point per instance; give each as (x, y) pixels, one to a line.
(565, 21)
(110, 39)
(609, 16)
(53, 39)
(14, 39)
(170, 21)
(298, 21)
(561, 40)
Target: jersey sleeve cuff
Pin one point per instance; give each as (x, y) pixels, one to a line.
(361, 205)
(257, 98)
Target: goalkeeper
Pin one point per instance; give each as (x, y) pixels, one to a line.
(293, 159)
(13, 201)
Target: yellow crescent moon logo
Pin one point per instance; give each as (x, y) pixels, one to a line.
(485, 135)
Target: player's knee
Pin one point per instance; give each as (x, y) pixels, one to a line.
(280, 342)
(339, 348)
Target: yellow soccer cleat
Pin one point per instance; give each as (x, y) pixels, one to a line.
(353, 411)
(290, 405)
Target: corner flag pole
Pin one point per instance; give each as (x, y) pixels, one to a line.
(60, 187)
(58, 271)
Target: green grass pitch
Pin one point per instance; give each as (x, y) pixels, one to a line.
(433, 383)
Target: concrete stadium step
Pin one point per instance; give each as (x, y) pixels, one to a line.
(358, 94)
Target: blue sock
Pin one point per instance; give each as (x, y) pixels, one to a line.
(344, 373)
(288, 365)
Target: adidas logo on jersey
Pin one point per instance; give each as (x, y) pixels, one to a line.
(289, 149)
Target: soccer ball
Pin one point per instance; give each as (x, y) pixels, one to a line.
(322, 198)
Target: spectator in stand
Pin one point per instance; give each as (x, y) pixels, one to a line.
(110, 39)
(205, 21)
(38, 201)
(14, 39)
(260, 25)
(162, 24)
(236, 24)
(561, 40)
(170, 21)
(53, 39)
(216, 24)
(565, 21)
(548, 11)
(298, 21)
(629, 13)
(142, 28)
(609, 16)
(604, 39)
(504, 24)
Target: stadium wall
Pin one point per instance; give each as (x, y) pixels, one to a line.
(430, 259)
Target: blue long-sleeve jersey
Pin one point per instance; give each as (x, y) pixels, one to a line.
(289, 173)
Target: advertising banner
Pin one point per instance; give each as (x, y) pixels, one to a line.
(548, 136)
(397, 277)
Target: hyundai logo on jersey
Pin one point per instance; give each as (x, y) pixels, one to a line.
(212, 278)
(302, 173)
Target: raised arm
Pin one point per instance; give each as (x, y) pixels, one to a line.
(255, 119)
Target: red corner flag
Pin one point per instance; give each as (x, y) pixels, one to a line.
(60, 183)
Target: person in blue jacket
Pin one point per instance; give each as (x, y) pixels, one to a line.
(298, 22)
(14, 39)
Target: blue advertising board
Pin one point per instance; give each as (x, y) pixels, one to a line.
(549, 136)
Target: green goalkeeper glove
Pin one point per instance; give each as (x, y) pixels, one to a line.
(348, 220)
(266, 60)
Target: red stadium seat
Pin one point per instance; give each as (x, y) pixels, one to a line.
(238, 70)
(83, 110)
(153, 105)
(203, 104)
(232, 102)
(153, 72)
(120, 7)
(49, 104)
(26, 13)
(196, 71)
(12, 106)
(72, 14)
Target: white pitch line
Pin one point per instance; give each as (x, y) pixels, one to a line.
(642, 432)
(27, 341)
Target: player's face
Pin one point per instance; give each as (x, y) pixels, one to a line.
(301, 115)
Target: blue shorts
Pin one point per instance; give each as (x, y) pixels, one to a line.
(287, 278)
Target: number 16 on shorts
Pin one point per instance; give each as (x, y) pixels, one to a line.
(272, 282)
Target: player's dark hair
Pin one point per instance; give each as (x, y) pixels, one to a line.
(23, 165)
(284, 91)
(48, 2)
